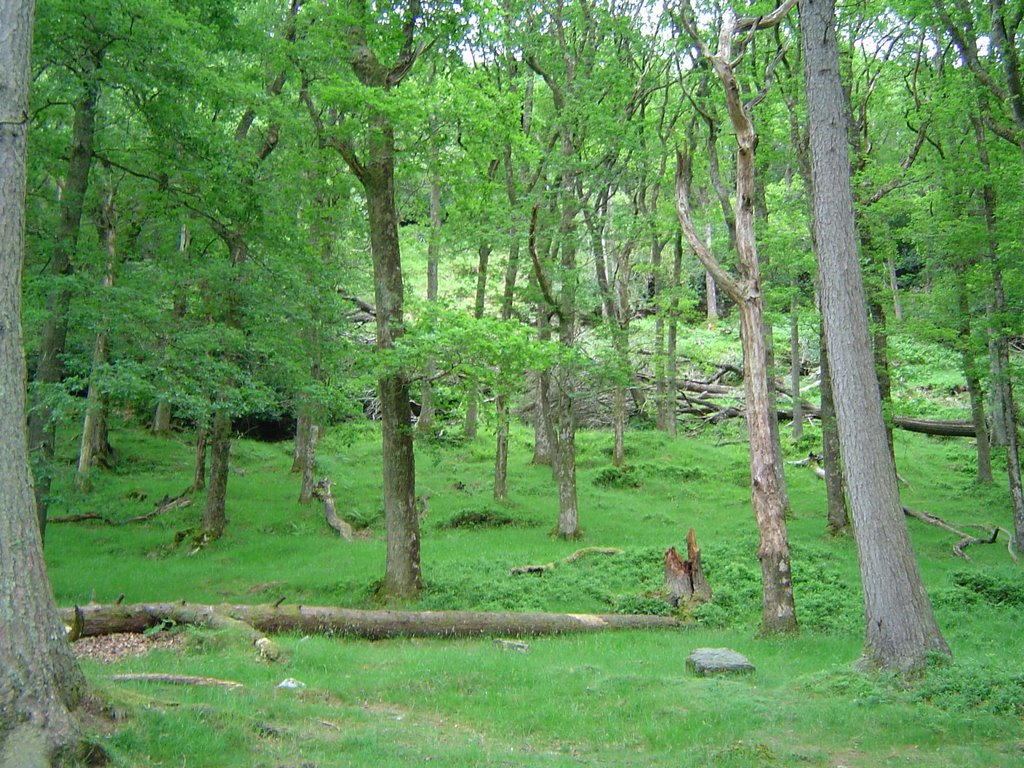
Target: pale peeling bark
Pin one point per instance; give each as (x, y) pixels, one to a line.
(40, 682)
(900, 626)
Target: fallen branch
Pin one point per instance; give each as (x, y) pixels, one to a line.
(579, 554)
(156, 677)
(166, 504)
(372, 625)
(965, 538)
(322, 491)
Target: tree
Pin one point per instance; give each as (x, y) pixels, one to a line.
(900, 627)
(768, 495)
(40, 682)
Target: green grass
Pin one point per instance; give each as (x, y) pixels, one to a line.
(602, 700)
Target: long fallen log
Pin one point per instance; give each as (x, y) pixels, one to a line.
(372, 625)
(937, 427)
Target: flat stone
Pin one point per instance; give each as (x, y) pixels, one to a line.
(718, 661)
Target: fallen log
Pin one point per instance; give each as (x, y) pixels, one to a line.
(371, 625)
(937, 427)
(166, 504)
(322, 491)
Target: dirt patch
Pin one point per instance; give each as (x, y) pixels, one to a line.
(112, 648)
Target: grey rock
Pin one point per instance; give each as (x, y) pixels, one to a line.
(718, 661)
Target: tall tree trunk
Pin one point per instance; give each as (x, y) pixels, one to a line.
(880, 345)
(710, 286)
(1000, 344)
(479, 302)
(40, 682)
(162, 414)
(900, 626)
(543, 433)
(199, 472)
(214, 513)
(671, 350)
(974, 389)
(501, 399)
(402, 579)
(303, 423)
(425, 423)
(564, 406)
(309, 465)
(794, 363)
(835, 487)
(49, 365)
(768, 496)
(94, 446)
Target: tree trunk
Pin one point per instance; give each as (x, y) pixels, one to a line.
(214, 515)
(473, 397)
(371, 625)
(880, 345)
(768, 495)
(161, 418)
(974, 389)
(710, 286)
(303, 423)
(199, 473)
(900, 626)
(501, 399)
(309, 464)
(543, 432)
(425, 423)
(49, 365)
(835, 487)
(40, 682)
(794, 367)
(671, 346)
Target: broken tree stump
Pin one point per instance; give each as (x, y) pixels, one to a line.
(685, 582)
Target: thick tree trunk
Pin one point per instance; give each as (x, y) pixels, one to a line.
(161, 418)
(371, 625)
(40, 682)
(402, 578)
(302, 426)
(214, 515)
(49, 365)
(835, 487)
(900, 626)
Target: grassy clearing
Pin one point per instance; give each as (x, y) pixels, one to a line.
(602, 700)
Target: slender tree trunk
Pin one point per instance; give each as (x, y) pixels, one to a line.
(309, 465)
(794, 368)
(473, 398)
(564, 406)
(768, 496)
(543, 433)
(661, 389)
(94, 447)
(161, 418)
(425, 423)
(671, 351)
(49, 365)
(835, 487)
(199, 473)
(894, 286)
(880, 345)
(214, 513)
(501, 398)
(40, 682)
(974, 389)
(900, 626)
(710, 286)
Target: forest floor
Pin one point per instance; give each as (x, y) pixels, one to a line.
(606, 699)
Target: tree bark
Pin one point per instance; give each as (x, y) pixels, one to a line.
(835, 487)
(40, 682)
(425, 423)
(214, 513)
(303, 423)
(371, 625)
(794, 363)
(974, 389)
(900, 626)
(199, 472)
(309, 464)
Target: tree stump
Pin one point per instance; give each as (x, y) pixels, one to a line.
(684, 579)
(322, 491)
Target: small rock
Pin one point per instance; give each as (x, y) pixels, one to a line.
(717, 661)
(513, 645)
(291, 682)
